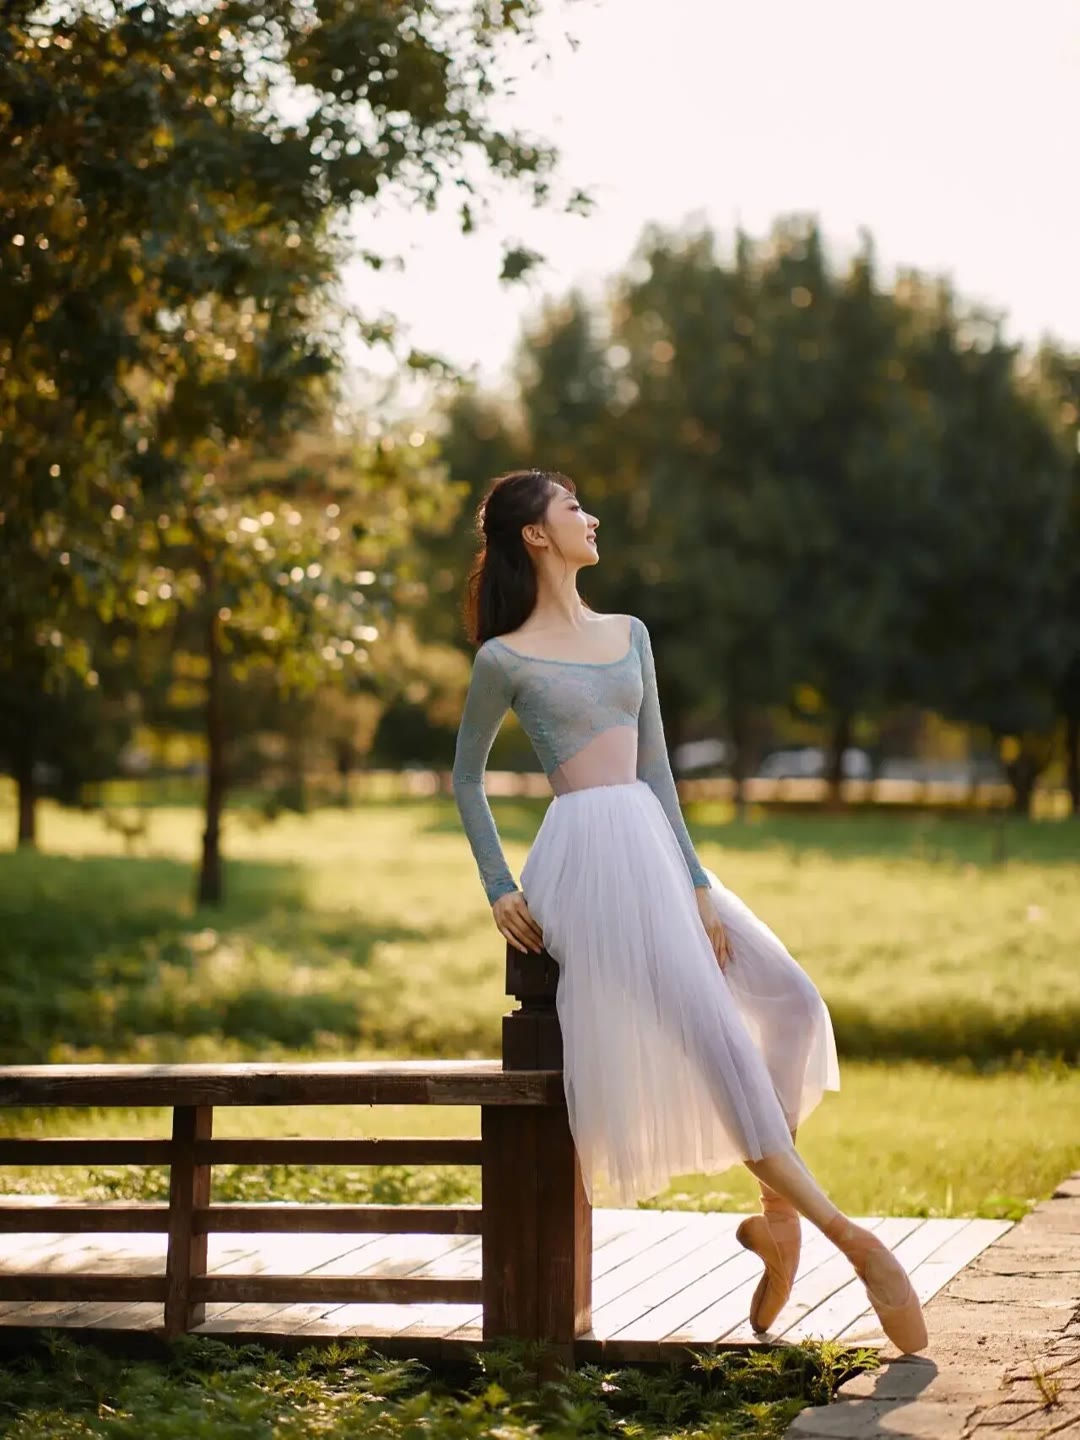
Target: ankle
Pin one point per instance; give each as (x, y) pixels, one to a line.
(842, 1231)
(854, 1240)
(777, 1207)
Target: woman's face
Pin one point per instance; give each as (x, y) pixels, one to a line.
(570, 528)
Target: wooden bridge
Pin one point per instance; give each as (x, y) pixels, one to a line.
(534, 1260)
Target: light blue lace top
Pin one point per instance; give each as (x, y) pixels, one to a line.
(562, 705)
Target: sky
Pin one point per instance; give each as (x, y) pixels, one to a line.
(941, 126)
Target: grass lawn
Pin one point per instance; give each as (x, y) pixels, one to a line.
(951, 978)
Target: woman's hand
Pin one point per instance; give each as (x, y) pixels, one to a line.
(516, 923)
(714, 926)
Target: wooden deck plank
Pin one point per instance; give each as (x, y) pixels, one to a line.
(609, 1224)
(623, 1292)
(145, 1315)
(263, 1254)
(703, 1309)
(435, 1322)
(662, 1280)
(375, 1254)
(146, 1257)
(643, 1233)
(727, 1316)
(119, 1255)
(847, 1301)
(389, 1254)
(421, 1321)
(439, 1321)
(679, 1292)
(43, 1254)
(223, 1252)
(820, 1273)
(425, 1254)
(39, 1251)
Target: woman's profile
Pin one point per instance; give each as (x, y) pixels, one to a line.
(692, 1039)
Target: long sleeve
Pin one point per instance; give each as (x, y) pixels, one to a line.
(653, 765)
(486, 704)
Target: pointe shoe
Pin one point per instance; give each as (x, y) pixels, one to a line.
(777, 1238)
(876, 1265)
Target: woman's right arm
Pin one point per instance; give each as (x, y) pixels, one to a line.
(486, 703)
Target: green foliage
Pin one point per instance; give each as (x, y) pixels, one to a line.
(812, 480)
(177, 190)
(205, 1389)
(167, 212)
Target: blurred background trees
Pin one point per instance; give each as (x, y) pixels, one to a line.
(829, 496)
(176, 192)
(838, 503)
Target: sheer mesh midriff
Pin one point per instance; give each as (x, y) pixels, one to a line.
(609, 758)
(591, 724)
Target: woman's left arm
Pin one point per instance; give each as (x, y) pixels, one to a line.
(653, 765)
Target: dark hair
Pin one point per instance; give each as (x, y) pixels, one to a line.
(501, 588)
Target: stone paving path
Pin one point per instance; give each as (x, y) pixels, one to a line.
(1003, 1361)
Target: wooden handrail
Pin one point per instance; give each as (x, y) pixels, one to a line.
(535, 1221)
(405, 1082)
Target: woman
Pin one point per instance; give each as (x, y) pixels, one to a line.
(691, 1038)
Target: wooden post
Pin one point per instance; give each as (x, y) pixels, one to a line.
(189, 1190)
(537, 1235)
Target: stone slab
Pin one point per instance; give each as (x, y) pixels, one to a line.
(1003, 1361)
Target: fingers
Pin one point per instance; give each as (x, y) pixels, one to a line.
(534, 929)
(528, 927)
(519, 927)
(723, 948)
(529, 944)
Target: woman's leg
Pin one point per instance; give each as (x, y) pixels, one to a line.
(775, 1206)
(787, 1175)
(776, 1236)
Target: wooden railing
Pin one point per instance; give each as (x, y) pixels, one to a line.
(535, 1221)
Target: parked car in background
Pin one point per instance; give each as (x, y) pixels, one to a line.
(701, 755)
(807, 762)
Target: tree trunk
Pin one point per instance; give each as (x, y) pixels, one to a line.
(24, 779)
(740, 763)
(343, 761)
(834, 772)
(211, 890)
(1023, 772)
(1072, 759)
(297, 783)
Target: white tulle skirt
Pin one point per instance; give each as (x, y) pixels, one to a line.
(671, 1066)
